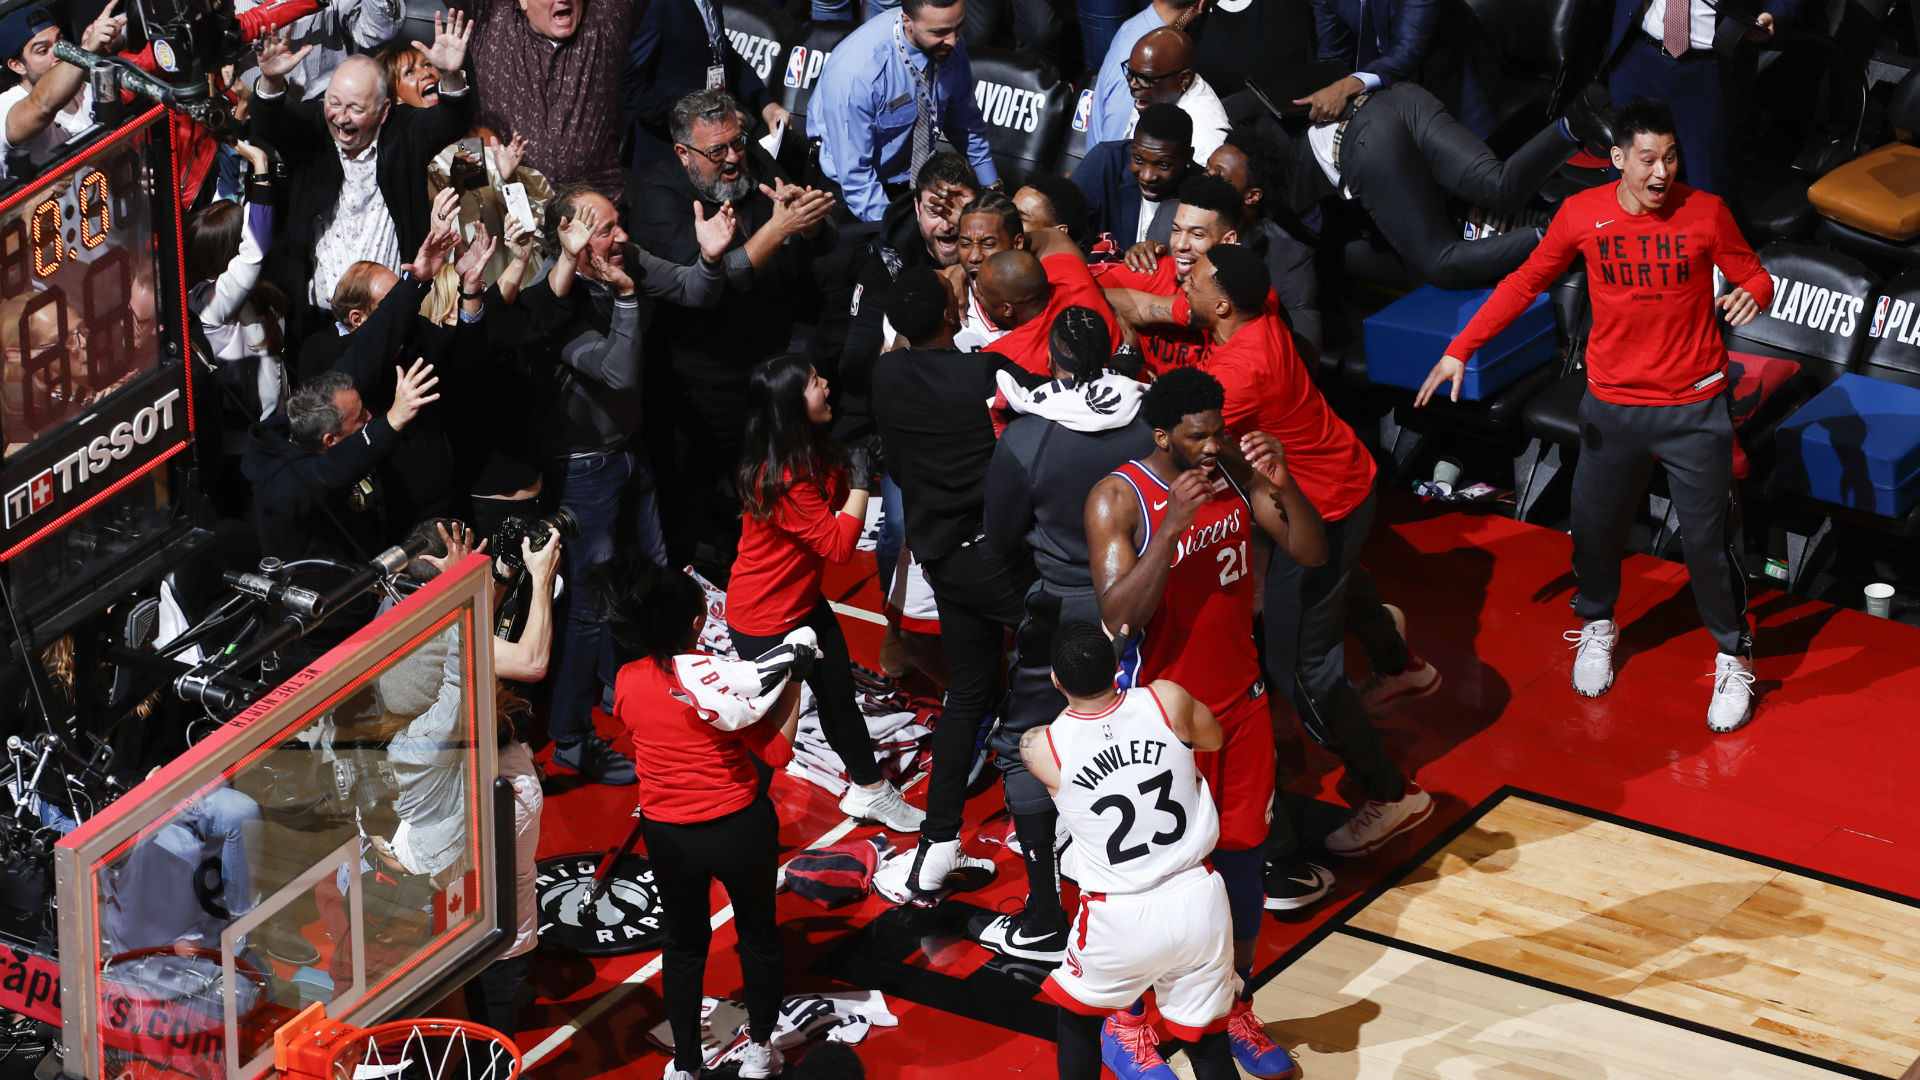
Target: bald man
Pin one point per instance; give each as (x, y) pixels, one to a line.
(1160, 72)
(356, 164)
(1022, 291)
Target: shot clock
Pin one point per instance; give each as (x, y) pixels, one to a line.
(93, 397)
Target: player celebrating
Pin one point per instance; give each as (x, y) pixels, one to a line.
(1209, 210)
(1170, 539)
(1153, 914)
(1657, 386)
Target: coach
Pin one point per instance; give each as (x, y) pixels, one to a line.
(1657, 387)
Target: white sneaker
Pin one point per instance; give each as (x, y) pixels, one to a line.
(882, 804)
(675, 1072)
(1732, 704)
(1381, 693)
(1375, 823)
(1593, 663)
(938, 860)
(761, 1060)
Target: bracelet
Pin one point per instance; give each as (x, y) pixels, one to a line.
(465, 295)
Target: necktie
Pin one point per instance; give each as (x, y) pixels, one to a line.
(922, 118)
(1677, 38)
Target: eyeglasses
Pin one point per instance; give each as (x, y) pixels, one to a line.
(1142, 79)
(718, 154)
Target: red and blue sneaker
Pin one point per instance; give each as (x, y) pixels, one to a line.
(1130, 1048)
(1256, 1053)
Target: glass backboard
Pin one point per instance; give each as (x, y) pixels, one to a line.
(335, 843)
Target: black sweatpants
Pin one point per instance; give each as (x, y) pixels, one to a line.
(1618, 444)
(980, 600)
(493, 996)
(1306, 628)
(1403, 154)
(833, 694)
(741, 850)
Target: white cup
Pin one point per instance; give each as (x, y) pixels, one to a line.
(1446, 471)
(1879, 599)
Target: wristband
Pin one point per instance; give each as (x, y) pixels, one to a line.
(465, 295)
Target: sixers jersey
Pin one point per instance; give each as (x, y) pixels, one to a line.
(1201, 633)
(1138, 810)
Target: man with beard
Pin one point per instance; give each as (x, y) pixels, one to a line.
(1130, 185)
(768, 267)
(355, 163)
(888, 91)
(1209, 214)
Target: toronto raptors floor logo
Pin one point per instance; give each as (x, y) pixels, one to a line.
(625, 919)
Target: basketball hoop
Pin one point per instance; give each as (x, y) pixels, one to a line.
(312, 1047)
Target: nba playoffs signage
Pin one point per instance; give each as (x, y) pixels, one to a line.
(757, 52)
(63, 473)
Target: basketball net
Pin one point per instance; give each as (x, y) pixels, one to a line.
(312, 1047)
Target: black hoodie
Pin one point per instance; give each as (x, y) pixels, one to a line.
(305, 502)
(898, 247)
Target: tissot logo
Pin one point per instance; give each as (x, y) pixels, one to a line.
(756, 51)
(1896, 319)
(1816, 307)
(1008, 106)
(36, 494)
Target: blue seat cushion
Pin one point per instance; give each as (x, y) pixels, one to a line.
(1856, 443)
(1407, 337)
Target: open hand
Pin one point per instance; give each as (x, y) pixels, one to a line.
(1267, 457)
(1448, 369)
(714, 233)
(473, 261)
(411, 392)
(451, 31)
(519, 240)
(507, 156)
(278, 57)
(459, 544)
(576, 231)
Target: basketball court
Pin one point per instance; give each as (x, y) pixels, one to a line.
(1606, 890)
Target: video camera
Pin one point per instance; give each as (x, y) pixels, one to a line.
(189, 39)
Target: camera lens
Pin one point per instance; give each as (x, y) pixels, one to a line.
(566, 521)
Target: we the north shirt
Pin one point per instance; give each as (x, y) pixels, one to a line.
(1656, 335)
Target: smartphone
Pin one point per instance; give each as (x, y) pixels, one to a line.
(469, 168)
(518, 206)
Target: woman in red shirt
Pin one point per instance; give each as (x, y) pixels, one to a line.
(803, 508)
(698, 723)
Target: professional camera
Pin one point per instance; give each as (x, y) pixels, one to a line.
(506, 542)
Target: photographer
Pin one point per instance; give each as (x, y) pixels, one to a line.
(493, 995)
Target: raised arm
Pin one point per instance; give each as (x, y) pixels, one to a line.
(1279, 506)
(1509, 299)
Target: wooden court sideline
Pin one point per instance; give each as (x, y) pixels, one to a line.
(1540, 938)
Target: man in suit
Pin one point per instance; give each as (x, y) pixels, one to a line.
(679, 47)
(1676, 51)
(357, 164)
(1383, 41)
(1130, 183)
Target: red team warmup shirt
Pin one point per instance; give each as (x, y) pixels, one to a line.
(1655, 329)
(1073, 286)
(776, 575)
(689, 769)
(1165, 348)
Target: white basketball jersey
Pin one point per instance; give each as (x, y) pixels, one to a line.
(1138, 810)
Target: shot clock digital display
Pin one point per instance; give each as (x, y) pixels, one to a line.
(94, 391)
(78, 315)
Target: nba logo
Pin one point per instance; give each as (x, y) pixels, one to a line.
(1083, 112)
(796, 64)
(1880, 316)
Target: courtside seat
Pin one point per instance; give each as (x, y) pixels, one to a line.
(1544, 51)
(1028, 109)
(1821, 311)
(1871, 205)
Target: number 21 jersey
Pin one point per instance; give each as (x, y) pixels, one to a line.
(1201, 633)
(1137, 808)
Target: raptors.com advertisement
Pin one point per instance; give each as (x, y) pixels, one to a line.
(126, 435)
